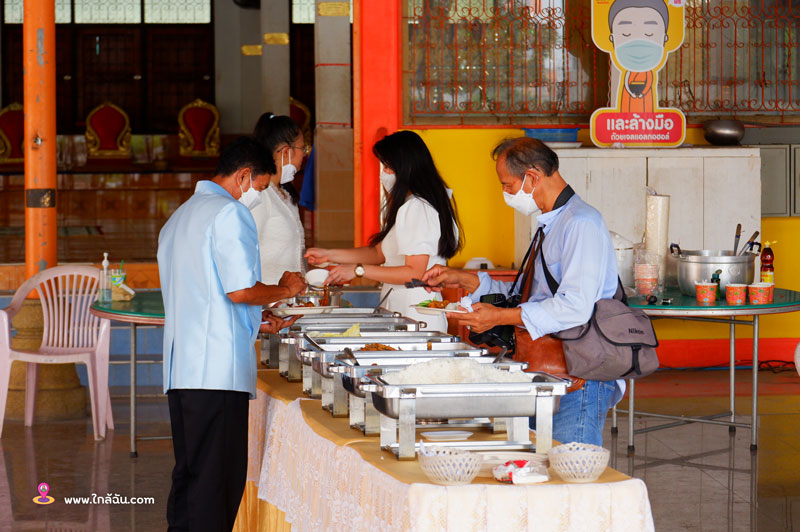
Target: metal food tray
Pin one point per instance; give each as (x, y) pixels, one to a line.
(270, 343)
(289, 366)
(362, 412)
(401, 405)
(316, 358)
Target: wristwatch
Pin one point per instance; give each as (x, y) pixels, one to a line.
(359, 270)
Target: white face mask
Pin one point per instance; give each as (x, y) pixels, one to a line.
(522, 202)
(250, 198)
(287, 171)
(387, 180)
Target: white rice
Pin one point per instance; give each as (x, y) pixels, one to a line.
(453, 371)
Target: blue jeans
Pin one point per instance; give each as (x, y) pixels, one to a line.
(582, 413)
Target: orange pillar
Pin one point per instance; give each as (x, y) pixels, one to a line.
(39, 83)
(376, 101)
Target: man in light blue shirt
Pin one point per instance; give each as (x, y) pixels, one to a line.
(580, 257)
(208, 261)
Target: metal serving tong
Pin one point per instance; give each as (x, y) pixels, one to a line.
(418, 283)
(500, 356)
(348, 354)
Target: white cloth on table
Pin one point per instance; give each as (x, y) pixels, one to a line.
(416, 231)
(324, 487)
(281, 235)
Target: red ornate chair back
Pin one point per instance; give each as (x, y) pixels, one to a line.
(198, 133)
(12, 133)
(108, 132)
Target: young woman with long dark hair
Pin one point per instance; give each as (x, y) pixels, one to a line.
(281, 236)
(420, 228)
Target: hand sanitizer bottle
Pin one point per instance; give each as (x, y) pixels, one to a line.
(105, 282)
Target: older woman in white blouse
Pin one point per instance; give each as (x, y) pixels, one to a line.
(420, 229)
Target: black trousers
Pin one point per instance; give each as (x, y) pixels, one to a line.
(209, 436)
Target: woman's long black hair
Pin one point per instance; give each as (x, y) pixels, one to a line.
(273, 131)
(406, 153)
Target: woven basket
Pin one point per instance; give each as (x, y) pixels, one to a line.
(450, 467)
(579, 462)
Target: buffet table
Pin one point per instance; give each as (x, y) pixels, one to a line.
(310, 472)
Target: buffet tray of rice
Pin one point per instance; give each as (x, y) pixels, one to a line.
(353, 375)
(451, 388)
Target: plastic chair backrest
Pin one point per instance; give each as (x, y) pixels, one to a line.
(66, 293)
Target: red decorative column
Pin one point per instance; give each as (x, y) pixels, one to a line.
(377, 101)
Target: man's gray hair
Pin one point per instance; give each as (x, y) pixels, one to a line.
(524, 153)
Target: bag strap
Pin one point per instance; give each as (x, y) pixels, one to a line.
(552, 284)
(562, 199)
(522, 268)
(619, 295)
(524, 272)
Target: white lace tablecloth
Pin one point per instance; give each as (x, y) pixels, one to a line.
(324, 487)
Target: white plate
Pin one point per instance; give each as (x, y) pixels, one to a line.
(452, 307)
(563, 145)
(294, 311)
(446, 435)
(495, 458)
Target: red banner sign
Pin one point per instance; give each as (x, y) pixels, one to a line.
(664, 127)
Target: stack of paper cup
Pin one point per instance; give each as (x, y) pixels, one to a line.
(645, 277)
(656, 230)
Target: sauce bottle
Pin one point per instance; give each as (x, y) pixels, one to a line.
(767, 267)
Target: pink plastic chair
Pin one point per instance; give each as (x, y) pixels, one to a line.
(71, 335)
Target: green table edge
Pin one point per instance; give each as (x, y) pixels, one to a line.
(146, 307)
(783, 301)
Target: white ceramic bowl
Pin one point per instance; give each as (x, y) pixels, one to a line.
(316, 277)
(447, 466)
(579, 462)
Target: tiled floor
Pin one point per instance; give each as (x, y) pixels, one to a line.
(699, 477)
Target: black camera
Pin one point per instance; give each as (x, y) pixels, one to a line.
(500, 335)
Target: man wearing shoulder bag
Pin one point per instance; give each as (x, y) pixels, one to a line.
(582, 270)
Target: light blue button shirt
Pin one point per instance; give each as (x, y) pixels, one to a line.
(207, 249)
(581, 258)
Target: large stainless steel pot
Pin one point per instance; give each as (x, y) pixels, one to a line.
(699, 265)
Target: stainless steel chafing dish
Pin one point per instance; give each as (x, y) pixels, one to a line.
(319, 381)
(288, 364)
(270, 343)
(401, 405)
(363, 415)
(309, 351)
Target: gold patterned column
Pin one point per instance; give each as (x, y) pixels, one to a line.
(60, 394)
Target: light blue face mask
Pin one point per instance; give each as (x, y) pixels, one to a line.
(639, 55)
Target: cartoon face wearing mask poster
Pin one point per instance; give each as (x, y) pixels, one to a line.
(639, 35)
